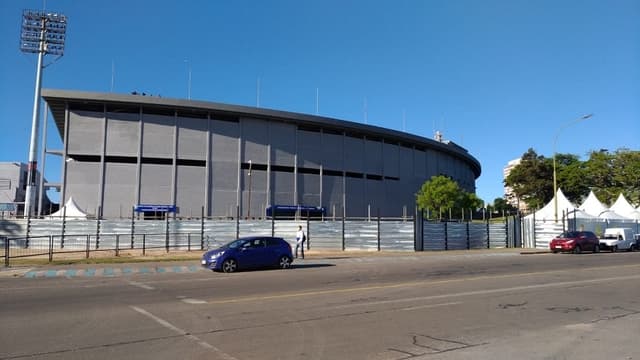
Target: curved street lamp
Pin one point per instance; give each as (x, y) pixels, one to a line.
(555, 182)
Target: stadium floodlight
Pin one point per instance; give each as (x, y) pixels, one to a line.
(42, 33)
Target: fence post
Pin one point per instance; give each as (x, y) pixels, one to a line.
(133, 225)
(343, 240)
(416, 211)
(144, 245)
(6, 250)
(166, 231)
(418, 229)
(308, 232)
(378, 229)
(88, 245)
(50, 248)
(64, 225)
(506, 232)
(488, 236)
(237, 221)
(468, 239)
(28, 228)
(446, 236)
(273, 222)
(98, 228)
(202, 229)
(422, 239)
(188, 241)
(117, 244)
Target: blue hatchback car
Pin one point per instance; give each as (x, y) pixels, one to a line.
(249, 253)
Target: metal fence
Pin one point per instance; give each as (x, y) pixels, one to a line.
(538, 234)
(92, 237)
(468, 235)
(85, 238)
(86, 245)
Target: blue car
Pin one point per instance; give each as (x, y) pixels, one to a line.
(249, 253)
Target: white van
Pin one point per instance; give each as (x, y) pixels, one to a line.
(615, 239)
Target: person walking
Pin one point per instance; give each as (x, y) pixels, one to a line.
(301, 238)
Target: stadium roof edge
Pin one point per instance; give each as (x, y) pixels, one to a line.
(57, 99)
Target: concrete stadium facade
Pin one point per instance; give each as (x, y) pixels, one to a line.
(124, 150)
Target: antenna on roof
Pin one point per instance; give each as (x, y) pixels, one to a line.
(258, 92)
(317, 99)
(188, 63)
(365, 109)
(113, 73)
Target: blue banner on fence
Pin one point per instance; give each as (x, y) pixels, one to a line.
(7, 207)
(290, 210)
(155, 208)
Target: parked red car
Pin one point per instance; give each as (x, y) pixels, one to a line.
(575, 241)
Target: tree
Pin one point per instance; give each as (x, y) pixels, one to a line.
(607, 174)
(626, 174)
(532, 179)
(571, 174)
(500, 205)
(599, 175)
(469, 200)
(438, 194)
(441, 194)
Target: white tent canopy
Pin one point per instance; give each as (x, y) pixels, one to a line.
(634, 215)
(612, 215)
(547, 213)
(593, 206)
(622, 207)
(578, 214)
(70, 210)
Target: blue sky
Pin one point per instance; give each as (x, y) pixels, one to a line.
(496, 77)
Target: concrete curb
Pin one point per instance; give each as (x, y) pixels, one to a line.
(14, 272)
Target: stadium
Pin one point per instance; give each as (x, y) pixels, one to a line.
(186, 158)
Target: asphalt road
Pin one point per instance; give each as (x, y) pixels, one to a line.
(468, 305)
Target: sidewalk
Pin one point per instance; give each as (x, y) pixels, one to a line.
(188, 262)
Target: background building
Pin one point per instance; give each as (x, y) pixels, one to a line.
(124, 150)
(509, 195)
(13, 185)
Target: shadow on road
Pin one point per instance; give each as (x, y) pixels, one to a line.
(305, 266)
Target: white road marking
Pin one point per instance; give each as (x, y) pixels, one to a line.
(429, 283)
(179, 331)
(193, 301)
(141, 285)
(500, 290)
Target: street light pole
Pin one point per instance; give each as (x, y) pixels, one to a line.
(42, 33)
(555, 181)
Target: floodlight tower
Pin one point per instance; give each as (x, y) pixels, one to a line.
(42, 33)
